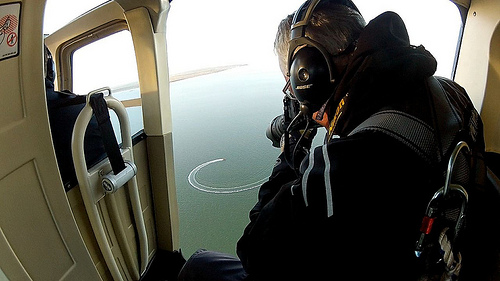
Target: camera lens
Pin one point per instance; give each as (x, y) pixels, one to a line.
(276, 130)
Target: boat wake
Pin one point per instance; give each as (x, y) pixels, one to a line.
(219, 190)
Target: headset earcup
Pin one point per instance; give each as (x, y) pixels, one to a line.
(310, 78)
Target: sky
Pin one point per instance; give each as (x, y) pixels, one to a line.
(203, 34)
(207, 33)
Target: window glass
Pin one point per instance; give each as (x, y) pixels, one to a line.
(226, 87)
(110, 62)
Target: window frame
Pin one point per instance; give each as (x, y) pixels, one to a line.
(463, 10)
(68, 48)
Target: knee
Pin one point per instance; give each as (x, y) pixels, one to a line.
(207, 265)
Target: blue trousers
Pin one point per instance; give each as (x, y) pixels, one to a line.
(206, 265)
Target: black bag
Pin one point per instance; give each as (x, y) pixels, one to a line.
(476, 244)
(64, 108)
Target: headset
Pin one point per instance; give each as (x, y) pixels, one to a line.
(312, 75)
(311, 68)
(50, 70)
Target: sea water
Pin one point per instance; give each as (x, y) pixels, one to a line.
(221, 152)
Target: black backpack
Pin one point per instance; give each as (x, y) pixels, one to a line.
(64, 108)
(460, 231)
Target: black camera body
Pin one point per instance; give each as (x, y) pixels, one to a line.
(280, 123)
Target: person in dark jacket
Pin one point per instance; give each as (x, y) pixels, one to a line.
(353, 208)
(64, 107)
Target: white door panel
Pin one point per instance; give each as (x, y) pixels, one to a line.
(39, 239)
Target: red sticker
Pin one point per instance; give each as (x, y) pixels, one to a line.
(8, 24)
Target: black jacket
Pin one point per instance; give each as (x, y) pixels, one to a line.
(355, 210)
(64, 108)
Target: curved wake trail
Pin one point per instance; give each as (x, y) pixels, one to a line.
(219, 190)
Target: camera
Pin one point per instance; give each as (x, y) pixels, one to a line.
(280, 123)
(276, 130)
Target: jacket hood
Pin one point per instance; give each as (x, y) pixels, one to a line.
(384, 71)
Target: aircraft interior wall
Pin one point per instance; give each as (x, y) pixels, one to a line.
(478, 68)
(490, 112)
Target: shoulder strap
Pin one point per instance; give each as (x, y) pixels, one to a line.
(446, 120)
(405, 128)
(101, 113)
(432, 144)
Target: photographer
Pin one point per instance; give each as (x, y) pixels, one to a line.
(351, 208)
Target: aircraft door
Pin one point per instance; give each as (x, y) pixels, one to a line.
(39, 238)
(83, 51)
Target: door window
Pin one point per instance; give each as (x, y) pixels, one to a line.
(110, 62)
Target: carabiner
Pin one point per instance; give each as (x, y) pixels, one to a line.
(435, 205)
(451, 164)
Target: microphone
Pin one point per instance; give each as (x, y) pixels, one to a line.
(295, 121)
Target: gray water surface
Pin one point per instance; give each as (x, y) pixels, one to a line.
(221, 152)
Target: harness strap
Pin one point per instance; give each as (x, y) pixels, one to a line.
(101, 113)
(407, 129)
(446, 120)
(415, 133)
(452, 260)
(431, 144)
